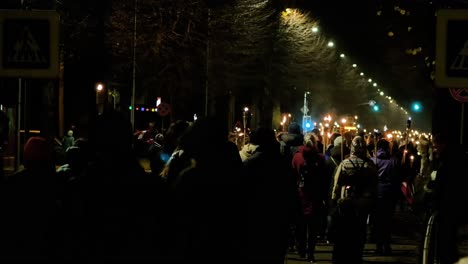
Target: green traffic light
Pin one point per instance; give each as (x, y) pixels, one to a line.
(376, 108)
(417, 107)
(130, 108)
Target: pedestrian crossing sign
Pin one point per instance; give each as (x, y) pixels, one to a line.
(452, 48)
(29, 43)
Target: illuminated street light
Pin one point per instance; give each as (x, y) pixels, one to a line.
(315, 29)
(370, 80)
(362, 74)
(331, 44)
(354, 65)
(382, 93)
(99, 87)
(375, 84)
(342, 55)
(244, 116)
(416, 107)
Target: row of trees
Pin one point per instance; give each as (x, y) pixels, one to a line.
(255, 53)
(248, 52)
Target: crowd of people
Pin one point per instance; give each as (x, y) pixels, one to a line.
(206, 199)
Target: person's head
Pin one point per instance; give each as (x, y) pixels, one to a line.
(334, 136)
(173, 134)
(310, 140)
(294, 128)
(383, 144)
(358, 147)
(113, 133)
(204, 136)
(38, 155)
(265, 138)
(151, 125)
(338, 140)
(439, 145)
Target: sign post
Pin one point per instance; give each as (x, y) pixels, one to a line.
(452, 48)
(452, 56)
(29, 49)
(29, 44)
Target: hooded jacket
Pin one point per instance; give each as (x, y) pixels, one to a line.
(388, 171)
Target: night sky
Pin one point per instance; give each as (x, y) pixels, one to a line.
(361, 31)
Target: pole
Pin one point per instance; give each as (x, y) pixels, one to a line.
(462, 122)
(305, 103)
(244, 116)
(132, 111)
(18, 126)
(207, 61)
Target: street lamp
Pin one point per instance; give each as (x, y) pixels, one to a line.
(99, 89)
(306, 119)
(244, 117)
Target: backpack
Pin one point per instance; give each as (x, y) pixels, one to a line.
(354, 185)
(308, 178)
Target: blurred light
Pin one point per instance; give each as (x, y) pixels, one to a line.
(342, 55)
(382, 93)
(142, 109)
(354, 65)
(130, 107)
(315, 29)
(362, 74)
(375, 84)
(246, 109)
(416, 107)
(370, 80)
(343, 120)
(376, 108)
(308, 125)
(331, 44)
(99, 87)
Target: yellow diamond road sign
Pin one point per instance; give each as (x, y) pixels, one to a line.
(29, 43)
(452, 48)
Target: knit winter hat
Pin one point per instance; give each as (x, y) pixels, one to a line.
(337, 141)
(37, 149)
(358, 147)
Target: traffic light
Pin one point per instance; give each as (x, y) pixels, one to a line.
(416, 107)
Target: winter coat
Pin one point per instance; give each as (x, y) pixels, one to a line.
(314, 192)
(389, 173)
(247, 151)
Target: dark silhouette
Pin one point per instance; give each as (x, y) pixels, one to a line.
(269, 196)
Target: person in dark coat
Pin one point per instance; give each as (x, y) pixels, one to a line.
(268, 198)
(389, 173)
(289, 144)
(115, 211)
(29, 228)
(205, 196)
(309, 172)
(449, 201)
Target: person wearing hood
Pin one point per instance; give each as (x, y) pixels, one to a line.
(249, 148)
(290, 142)
(354, 192)
(269, 200)
(389, 171)
(309, 172)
